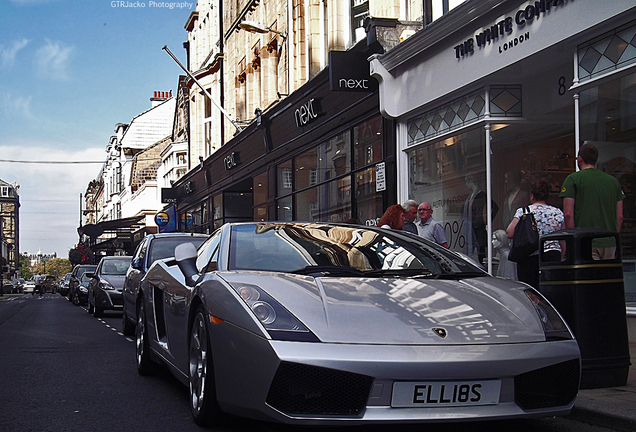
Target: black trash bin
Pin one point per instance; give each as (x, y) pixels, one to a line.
(590, 295)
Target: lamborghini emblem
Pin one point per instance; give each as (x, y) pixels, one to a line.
(440, 332)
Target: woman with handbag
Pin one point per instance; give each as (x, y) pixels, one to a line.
(548, 219)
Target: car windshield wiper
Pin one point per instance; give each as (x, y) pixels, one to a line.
(330, 270)
(399, 272)
(456, 276)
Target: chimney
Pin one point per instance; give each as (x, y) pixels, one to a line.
(159, 97)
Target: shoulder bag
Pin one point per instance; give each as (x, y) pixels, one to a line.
(526, 237)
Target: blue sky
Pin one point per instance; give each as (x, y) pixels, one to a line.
(69, 71)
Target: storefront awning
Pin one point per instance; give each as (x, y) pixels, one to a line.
(121, 227)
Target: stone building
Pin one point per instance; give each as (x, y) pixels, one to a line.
(9, 228)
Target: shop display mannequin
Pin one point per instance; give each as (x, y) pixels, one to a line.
(501, 244)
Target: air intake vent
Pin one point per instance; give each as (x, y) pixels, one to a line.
(301, 389)
(552, 386)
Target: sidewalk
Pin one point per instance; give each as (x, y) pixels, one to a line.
(613, 407)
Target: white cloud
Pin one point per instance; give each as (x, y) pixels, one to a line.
(8, 54)
(12, 106)
(49, 193)
(52, 60)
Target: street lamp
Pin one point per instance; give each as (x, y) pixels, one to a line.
(256, 27)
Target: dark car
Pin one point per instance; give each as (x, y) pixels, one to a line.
(152, 248)
(62, 285)
(104, 289)
(44, 283)
(80, 298)
(74, 281)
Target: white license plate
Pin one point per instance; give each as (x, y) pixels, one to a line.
(445, 394)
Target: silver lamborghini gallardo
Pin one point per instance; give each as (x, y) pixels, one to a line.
(318, 324)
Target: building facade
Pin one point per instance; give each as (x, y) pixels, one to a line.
(294, 143)
(498, 94)
(121, 202)
(9, 229)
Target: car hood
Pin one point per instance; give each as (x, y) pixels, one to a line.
(483, 310)
(117, 281)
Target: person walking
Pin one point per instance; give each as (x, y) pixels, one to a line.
(548, 219)
(592, 198)
(393, 218)
(429, 228)
(410, 213)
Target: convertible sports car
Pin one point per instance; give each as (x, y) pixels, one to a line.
(319, 324)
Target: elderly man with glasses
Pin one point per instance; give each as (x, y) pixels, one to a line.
(429, 228)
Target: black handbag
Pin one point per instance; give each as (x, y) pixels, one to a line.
(526, 238)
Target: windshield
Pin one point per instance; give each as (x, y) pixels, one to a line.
(309, 248)
(115, 266)
(162, 248)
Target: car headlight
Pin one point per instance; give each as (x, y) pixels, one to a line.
(83, 289)
(277, 320)
(553, 325)
(105, 285)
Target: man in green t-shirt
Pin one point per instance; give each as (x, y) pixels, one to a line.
(592, 198)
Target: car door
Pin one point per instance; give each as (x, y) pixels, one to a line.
(177, 300)
(134, 274)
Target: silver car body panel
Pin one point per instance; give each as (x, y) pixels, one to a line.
(384, 328)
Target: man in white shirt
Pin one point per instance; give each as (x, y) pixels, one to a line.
(429, 228)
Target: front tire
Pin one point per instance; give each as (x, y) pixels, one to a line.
(144, 364)
(203, 403)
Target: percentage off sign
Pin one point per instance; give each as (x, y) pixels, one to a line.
(456, 236)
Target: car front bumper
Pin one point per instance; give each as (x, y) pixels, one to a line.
(248, 373)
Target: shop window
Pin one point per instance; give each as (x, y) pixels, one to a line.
(284, 209)
(369, 203)
(260, 196)
(450, 174)
(217, 210)
(608, 120)
(329, 202)
(284, 178)
(367, 142)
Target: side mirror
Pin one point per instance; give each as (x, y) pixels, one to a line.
(185, 255)
(90, 275)
(136, 263)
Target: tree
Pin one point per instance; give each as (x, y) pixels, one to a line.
(25, 267)
(56, 267)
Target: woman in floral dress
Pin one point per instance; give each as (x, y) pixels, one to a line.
(549, 219)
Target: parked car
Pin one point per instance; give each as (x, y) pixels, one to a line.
(74, 281)
(18, 285)
(326, 324)
(80, 297)
(7, 286)
(152, 248)
(63, 284)
(29, 287)
(105, 287)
